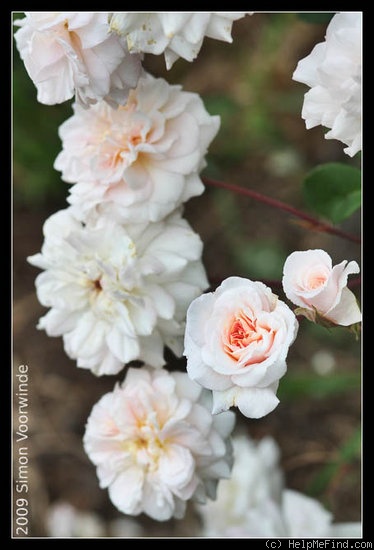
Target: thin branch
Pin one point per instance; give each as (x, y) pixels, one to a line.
(312, 222)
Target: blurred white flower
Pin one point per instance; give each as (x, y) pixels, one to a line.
(64, 520)
(175, 34)
(256, 478)
(304, 516)
(236, 343)
(323, 362)
(118, 293)
(70, 54)
(156, 444)
(333, 71)
(255, 503)
(125, 527)
(140, 161)
(346, 529)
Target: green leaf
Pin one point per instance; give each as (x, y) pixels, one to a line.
(333, 190)
(316, 18)
(311, 386)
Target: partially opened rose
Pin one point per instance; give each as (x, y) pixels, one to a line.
(312, 282)
(236, 344)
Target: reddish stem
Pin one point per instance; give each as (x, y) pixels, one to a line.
(315, 224)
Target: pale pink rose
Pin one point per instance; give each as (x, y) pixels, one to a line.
(140, 161)
(311, 282)
(236, 344)
(156, 445)
(73, 53)
(175, 34)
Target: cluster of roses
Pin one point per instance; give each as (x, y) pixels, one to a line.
(122, 269)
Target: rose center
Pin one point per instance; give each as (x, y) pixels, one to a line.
(119, 143)
(146, 447)
(316, 280)
(242, 332)
(248, 340)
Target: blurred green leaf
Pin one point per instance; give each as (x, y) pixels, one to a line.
(223, 105)
(338, 336)
(311, 385)
(227, 208)
(262, 259)
(226, 151)
(316, 18)
(348, 452)
(333, 190)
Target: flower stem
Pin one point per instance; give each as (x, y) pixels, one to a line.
(312, 222)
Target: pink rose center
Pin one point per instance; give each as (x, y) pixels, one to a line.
(243, 332)
(120, 149)
(248, 340)
(315, 279)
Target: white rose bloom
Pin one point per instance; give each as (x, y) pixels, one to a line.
(333, 71)
(156, 445)
(175, 34)
(118, 293)
(73, 53)
(140, 161)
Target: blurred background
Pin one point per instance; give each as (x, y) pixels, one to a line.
(263, 145)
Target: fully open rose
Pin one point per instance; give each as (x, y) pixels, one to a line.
(236, 344)
(118, 293)
(140, 161)
(311, 282)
